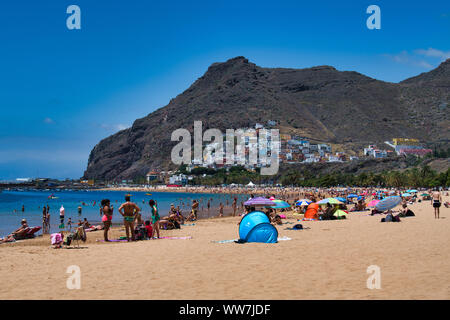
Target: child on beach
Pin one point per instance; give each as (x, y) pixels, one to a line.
(221, 210)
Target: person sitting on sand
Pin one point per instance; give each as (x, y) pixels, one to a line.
(18, 234)
(128, 210)
(85, 224)
(149, 229)
(328, 213)
(179, 215)
(406, 212)
(276, 219)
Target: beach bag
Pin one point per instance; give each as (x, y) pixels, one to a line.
(140, 233)
(388, 218)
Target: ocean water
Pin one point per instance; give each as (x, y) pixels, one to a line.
(33, 201)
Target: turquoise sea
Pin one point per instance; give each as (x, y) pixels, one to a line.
(11, 203)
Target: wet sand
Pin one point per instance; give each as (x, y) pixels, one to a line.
(327, 261)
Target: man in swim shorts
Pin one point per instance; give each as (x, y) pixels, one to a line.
(436, 201)
(128, 210)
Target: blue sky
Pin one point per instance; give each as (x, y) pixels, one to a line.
(61, 90)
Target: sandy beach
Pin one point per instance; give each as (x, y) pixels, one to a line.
(327, 261)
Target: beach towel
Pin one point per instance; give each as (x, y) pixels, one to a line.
(56, 238)
(125, 240)
(236, 240)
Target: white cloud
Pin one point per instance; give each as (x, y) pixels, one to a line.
(114, 127)
(406, 58)
(434, 53)
(49, 120)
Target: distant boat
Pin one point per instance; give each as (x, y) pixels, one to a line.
(52, 196)
(148, 194)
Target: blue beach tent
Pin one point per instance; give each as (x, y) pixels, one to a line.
(255, 227)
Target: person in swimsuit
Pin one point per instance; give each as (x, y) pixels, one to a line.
(195, 208)
(128, 210)
(234, 205)
(107, 212)
(155, 218)
(221, 209)
(436, 201)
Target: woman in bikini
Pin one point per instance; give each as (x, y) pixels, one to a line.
(107, 213)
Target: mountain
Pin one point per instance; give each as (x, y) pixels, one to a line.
(344, 108)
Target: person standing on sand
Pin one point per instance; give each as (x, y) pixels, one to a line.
(221, 210)
(436, 201)
(155, 218)
(107, 212)
(195, 208)
(61, 214)
(128, 210)
(234, 205)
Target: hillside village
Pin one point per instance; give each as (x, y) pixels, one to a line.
(293, 149)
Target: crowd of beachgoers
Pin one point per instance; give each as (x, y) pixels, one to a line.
(312, 203)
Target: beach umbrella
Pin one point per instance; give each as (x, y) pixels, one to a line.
(352, 195)
(303, 202)
(406, 194)
(259, 201)
(424, 195)
(388, 203)
(330, 201)
(341, 199)
(280, 204)
(391, 192)
(340, 213)
(373, 203)
(411, 190)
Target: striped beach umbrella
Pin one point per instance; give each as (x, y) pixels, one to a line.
(406, 194)
(388, 203)
(330, 201)
(340, 213)
(373, 203)
(303, 202)
(411, 190)
(341, 199)
(259, 201)
(280, 204)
